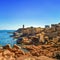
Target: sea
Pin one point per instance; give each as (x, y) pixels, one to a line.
(5, 37)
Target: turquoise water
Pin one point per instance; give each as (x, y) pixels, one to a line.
(5, 38)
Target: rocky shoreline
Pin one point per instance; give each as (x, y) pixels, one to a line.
(39, 43)
(45, 52)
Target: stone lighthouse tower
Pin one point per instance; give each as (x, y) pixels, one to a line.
(23, 26)
(23, 29)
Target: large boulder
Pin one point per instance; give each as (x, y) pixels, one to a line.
(44, 58)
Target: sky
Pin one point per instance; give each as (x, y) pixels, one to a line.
(37, 13)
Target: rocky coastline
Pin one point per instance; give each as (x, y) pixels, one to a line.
(41, 52)
(39, 43)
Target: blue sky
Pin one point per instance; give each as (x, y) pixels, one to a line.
(15, 13)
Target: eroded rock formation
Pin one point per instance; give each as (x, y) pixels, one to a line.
(34, 53)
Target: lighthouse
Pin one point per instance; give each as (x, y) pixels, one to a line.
(23, 26)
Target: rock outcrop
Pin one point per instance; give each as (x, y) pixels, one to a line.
(35, 53)
(40, 43)
(47, 35)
